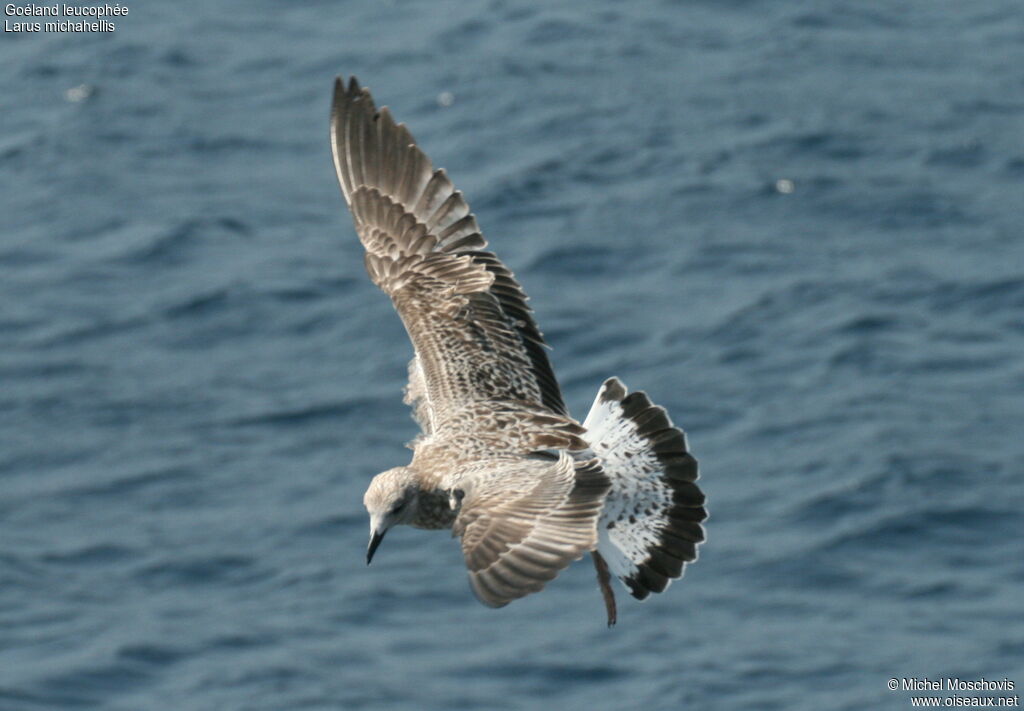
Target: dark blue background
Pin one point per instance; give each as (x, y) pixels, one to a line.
(197, 380)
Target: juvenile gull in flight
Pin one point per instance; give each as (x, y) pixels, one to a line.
(500, 461)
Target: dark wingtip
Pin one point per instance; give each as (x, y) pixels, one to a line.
(340, 86)
(353, 88)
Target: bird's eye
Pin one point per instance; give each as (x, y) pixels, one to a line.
(397, 508)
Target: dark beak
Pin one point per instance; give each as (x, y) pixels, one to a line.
(374, 542)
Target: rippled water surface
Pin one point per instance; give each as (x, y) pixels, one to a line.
(797, 225)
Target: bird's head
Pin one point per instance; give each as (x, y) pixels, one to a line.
(391, 500)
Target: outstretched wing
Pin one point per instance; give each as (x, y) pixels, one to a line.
(465, 313)
(516, 540)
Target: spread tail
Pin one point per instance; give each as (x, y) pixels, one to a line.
(650, 526)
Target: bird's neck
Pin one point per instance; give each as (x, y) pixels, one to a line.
(434, 510)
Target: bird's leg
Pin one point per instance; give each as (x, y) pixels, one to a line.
(604, 581)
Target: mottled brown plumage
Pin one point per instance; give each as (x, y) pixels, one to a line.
(480, 383)
(499, 459)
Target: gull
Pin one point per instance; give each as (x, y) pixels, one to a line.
(499, 460)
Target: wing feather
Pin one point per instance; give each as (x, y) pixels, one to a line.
(515, 541)
(467, 316)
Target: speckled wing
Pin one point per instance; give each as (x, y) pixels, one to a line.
(515, 540)
(464, 311)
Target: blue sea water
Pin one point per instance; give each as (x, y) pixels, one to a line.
(797, 225)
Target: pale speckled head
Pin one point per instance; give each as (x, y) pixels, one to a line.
(390, 500)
